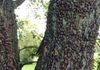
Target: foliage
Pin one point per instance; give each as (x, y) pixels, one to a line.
(28, 40)
(97, 56)
(29, 36)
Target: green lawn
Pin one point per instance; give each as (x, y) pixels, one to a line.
(29, 67)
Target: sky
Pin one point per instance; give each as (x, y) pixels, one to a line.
(27, 11)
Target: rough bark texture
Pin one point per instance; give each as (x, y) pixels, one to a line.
(9, 55)
(70, 36)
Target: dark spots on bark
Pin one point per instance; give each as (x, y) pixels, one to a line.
(71, 44)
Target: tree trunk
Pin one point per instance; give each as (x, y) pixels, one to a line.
(9, 55)
(70, 36)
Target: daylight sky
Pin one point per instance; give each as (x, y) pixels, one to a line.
(27, 11)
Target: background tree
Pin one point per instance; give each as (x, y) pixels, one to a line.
(9, 59)
(70, 36)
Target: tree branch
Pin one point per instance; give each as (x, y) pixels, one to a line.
(98, 44)
(27, 47)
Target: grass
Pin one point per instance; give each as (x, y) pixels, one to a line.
(29, 67)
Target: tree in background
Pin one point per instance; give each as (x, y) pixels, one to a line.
(9, 56)
(70, 36)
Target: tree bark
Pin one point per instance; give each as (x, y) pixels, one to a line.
(9, 54)
(72, 28)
